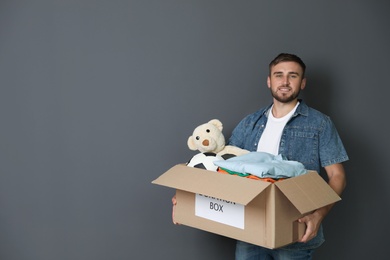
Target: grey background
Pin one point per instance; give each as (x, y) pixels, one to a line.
(98, 99)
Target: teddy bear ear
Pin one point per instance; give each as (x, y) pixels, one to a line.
(217, 123)
(191, 144)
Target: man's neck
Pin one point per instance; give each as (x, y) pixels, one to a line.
(280, 109)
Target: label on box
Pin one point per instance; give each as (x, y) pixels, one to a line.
(222, 211)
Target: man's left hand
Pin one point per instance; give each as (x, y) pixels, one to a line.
(313, 222)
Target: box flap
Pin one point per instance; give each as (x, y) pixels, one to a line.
(308, 192)
(223, 186)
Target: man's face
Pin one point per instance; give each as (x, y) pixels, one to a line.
(286, 81)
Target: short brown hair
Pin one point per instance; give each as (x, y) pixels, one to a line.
(284, 57)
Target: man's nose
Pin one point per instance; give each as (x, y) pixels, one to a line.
(286, 80)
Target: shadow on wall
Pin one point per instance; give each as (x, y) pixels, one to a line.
(319, 90)
(361, 218)
(349, 222)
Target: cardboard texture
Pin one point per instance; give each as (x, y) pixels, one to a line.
(253, 211)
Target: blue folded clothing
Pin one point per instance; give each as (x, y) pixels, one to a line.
(263, 165)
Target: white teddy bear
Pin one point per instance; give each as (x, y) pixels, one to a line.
(208, 138)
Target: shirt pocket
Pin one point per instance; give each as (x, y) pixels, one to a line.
(302, 146)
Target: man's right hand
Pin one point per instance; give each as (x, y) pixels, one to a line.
(174, 202)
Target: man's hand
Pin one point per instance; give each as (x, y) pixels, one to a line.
(337, 181)
(313, 222)
(174, 202)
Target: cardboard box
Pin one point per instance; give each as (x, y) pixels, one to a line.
(253, 211)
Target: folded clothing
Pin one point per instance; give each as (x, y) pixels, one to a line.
(263, 165)
(249, 176)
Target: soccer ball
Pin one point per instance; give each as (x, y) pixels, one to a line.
(204, 161)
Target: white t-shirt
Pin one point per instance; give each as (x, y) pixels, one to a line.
(270, 139)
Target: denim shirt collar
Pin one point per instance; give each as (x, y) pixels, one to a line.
(302, 109)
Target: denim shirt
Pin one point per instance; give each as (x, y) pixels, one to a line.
(309, 137)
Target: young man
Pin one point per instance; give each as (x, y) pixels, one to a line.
(291, 128)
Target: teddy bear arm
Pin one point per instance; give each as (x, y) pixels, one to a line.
(230, 149)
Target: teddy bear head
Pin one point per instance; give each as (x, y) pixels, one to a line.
(207, 137)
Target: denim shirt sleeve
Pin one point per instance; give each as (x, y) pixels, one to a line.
(331, 147)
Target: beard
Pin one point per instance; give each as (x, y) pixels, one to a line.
(284, 97)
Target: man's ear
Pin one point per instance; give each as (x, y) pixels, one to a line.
(269, 82)
(303, 84)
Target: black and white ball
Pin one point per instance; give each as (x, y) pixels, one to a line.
(204, 161)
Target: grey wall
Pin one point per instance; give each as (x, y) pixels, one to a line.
(97, 99)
